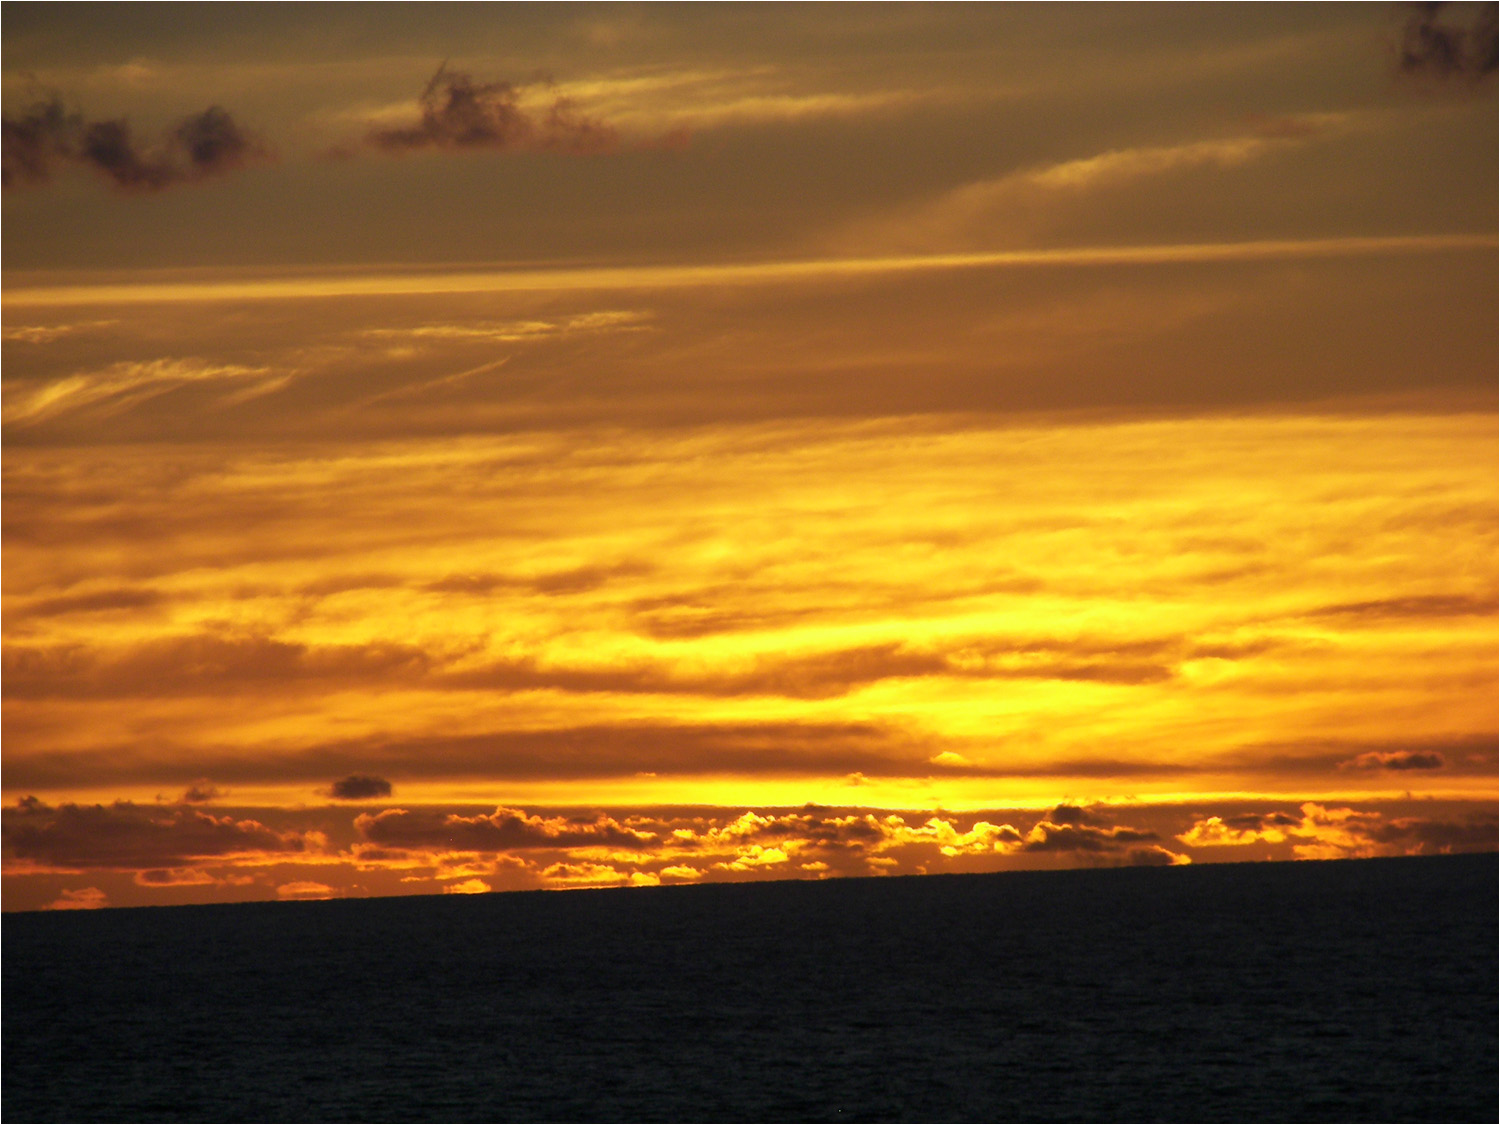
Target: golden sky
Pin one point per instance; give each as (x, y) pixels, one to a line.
(473, 447)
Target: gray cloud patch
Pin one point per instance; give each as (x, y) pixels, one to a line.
(45, 136)
(200, 792)
(1424, 836)
(1048, 836)
(1397, 760)
(1420, 605)
(101, 601)
(458, 113)
(1432, 47)
(357, 787)
(34, 140)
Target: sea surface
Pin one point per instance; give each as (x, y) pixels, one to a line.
(1352, 990)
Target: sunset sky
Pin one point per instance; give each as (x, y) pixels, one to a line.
(479, 447)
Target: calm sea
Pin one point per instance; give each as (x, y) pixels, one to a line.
(1355, 990)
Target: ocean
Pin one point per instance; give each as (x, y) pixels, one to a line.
(1323, 991)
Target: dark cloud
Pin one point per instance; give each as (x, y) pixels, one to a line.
(1432, 47)
(1257, 822)
(200, 792)
(1471, 754)
(1049, 836)
(357, 787)
(1073, 815)
(574, 581)
(102, 601)
(1426, 836)
(45, 135)
(125, 836)
(1397, 760)
(459, 113)
(503, 830)
(1153, 855)
(820, 675)
(34, 140)
(1422, 605)
(175, 877)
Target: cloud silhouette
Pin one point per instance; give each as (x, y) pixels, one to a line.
(503, 830)
(1048, 836)
(200, 792)
(35, 139)
(126, 836)
(45, 135)
(1439, 50)
(357, 787)
(1397, 760)
(457, 113)
(1154, 855)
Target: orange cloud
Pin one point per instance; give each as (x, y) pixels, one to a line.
(83, 898)
(1345, 833)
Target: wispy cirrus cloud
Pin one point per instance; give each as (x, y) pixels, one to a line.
(47, 333)
(763, 273)
(1016, 204)
(516, 331)
(129, 382)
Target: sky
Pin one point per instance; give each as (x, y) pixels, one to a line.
(453, 448)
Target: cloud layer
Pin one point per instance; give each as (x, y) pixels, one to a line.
(71, 856)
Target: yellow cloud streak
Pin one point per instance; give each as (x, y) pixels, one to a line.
(26, 295)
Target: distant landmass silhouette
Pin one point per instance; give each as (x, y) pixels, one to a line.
(1347, 990)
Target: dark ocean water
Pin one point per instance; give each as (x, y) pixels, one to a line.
(1357, 990)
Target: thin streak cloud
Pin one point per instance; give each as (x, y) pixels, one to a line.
(750, 273)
